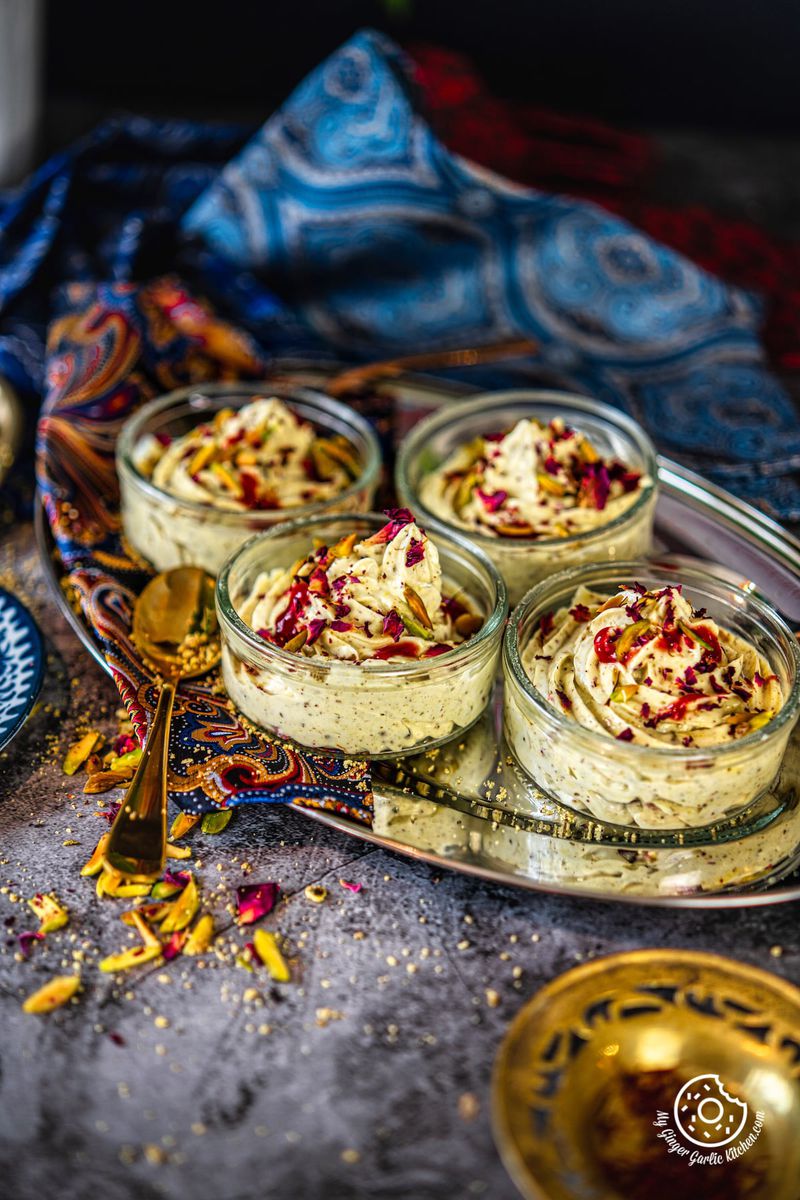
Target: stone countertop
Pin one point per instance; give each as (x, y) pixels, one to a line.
(367, 1076)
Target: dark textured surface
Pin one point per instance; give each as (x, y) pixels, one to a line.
(207, 1106)
(211, 1105)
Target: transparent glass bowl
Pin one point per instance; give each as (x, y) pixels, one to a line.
(170, 532)
(667, 788)
(524, 561)
(377, 709)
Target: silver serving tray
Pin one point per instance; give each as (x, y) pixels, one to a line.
(524, 840)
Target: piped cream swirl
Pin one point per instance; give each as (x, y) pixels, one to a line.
(645, 667)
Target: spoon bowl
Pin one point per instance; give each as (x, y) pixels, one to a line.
(175, 630)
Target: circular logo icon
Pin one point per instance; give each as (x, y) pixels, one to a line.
(706, 1114)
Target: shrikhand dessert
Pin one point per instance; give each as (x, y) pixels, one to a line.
(534, 481)
(193, 495)
(538, 489)
(374, 640)
(640, 709)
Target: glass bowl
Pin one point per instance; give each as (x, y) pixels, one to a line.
(378, 709)
(524, 561)
(168, 531)
(664, 787)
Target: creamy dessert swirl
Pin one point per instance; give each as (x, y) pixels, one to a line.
(646, 667)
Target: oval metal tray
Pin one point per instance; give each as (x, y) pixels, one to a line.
(465, 807)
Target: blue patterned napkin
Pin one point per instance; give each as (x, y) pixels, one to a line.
(384, 242)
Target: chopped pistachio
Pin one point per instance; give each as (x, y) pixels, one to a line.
(199, 939)
(51, 914)
(79, 751)
(183, 909)
(215, 822)
(52, 994)
(94, 865)
(183, 823)
(268, 951)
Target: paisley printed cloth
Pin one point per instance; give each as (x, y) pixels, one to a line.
(116, 346)
(343, 226)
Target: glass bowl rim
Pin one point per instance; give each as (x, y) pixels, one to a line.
(485, 402)
(229, 618)
(131, 431)
(598, 742)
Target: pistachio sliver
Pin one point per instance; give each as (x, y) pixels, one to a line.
(268, 951)
(130, 958)
(226, 478)
(52, 995)
(94, 864)
(418, 609)
(520, 530)
(215, 822)
(182, 824)
(694, 635)
(340, 450)
(79, 752)
(629, 636)
(550, 485)
(297, 642)
(183, 909)
(51, 914)
(344, 546)
(199, 939)
(464, 490)
(467, 624)
(202, 457)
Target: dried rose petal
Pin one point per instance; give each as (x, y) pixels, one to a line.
(255, 900)
(173, 947)
(26, 940)
(492, 501)
(314, 629)
(124, 744)
(625, 736)
(580, 613)
(393, 625)
(341, 626)
(110, 813)
(398, 519)
(415, 552)
(351, 887)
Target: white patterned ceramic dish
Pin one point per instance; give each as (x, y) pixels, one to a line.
(21, 665)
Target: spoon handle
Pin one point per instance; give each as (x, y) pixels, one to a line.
(137, 845)
(465, 356)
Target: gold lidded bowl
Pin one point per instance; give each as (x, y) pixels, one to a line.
(615, 1082)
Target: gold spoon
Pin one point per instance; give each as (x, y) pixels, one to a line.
(175, 629)
(356, 378)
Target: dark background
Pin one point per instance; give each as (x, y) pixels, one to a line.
(679, 63)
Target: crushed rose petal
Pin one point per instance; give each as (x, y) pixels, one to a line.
(393, 625)
(255, 900)
(351, 887)
(26, 940)
(415, 552)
